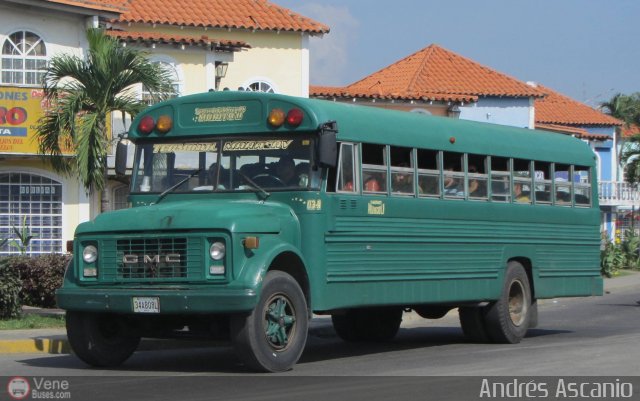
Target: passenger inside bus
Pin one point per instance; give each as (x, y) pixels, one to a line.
(476, 189)
(402, 181)
(372, 184)
(452, 185)
(519, 194)
(286, 171)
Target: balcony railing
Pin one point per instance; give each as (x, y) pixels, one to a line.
(617, 193)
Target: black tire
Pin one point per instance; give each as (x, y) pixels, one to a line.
(101, 340)
(472, 323)
(507, 320)
(372, 324)
(273, 336)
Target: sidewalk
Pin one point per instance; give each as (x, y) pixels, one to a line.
(54, 341)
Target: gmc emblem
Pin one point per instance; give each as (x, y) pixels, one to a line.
(168, 258)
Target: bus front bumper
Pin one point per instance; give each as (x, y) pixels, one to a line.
(169, 301)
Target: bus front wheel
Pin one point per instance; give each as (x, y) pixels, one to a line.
(508, 319)
(372, 324)
(100, 340)
(272, 337)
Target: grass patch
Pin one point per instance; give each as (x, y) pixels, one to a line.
(32, 321)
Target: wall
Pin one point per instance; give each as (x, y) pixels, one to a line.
(515, 112)
(62, 33)
(280, 59)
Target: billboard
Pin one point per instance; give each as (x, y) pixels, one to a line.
(20, 110)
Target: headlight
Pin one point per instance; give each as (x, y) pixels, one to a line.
(90, 254)
(217, 250)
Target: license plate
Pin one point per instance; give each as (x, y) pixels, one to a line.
(146, 304)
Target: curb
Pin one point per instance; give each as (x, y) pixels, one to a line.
(47, 345)
(59, 344)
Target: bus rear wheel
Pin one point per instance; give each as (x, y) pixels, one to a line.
(508, 319)
(371, 324)
(100, 340)
(272, 337)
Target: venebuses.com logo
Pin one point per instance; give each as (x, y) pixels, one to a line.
(18, 388)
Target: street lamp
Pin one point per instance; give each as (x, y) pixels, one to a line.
(221, 72)
(454, 111)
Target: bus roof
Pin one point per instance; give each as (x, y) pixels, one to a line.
(245, 113)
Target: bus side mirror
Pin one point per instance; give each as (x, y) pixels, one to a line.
(328, 146)
(121, 157)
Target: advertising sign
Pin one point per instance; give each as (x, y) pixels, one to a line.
(20, 110)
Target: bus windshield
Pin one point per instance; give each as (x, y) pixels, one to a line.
(225, 165)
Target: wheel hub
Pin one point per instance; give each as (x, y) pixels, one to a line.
(279, 322)
(517, 303)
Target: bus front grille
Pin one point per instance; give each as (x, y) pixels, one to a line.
(152, 258)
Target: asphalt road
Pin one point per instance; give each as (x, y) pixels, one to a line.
(576, 337)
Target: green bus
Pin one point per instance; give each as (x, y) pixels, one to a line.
(253, 211)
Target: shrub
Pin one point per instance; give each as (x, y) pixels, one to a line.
(10, 286)
(622, 253)
(41, 276)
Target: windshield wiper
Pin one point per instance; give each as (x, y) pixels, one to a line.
(255, 186)
(166, 191)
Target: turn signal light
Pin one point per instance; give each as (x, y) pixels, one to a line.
(164, 124)
(294, 117)
(251, 243)
(146, 125)
(276, 118)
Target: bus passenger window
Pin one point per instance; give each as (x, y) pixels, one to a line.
(522, 181)
(453, 175)
(500, 179)
(374, 169)
(563, 184)
(346, 169)
(582, 186)
(402, 178)
(477, 177)
(429, 173)
(542, 177)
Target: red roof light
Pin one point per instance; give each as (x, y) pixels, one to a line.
(146, 125)
(295, 117)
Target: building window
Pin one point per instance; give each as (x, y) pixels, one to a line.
(260, 86)
(31, 201)
(24, 59)
(175, 78)
(120, 195)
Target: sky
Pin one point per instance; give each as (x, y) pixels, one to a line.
(586, 49)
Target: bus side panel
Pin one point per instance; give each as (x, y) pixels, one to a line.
(414, 251)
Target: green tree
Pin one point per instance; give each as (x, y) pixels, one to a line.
(624, 107)
(82, 92)
(627, 109)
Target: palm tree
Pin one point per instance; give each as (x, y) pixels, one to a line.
(627, 109)
(82, 92)
(624, 107)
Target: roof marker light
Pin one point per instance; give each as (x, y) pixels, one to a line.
(146, 125)
(295, 117)
(164, 124)
(276, 118)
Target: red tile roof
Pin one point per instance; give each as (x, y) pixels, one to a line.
(237, 14)
(435, 73)
(165, 38)
(556, 108)
(332, 91)
(577, 132)
(115, 6)
(629, 131)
